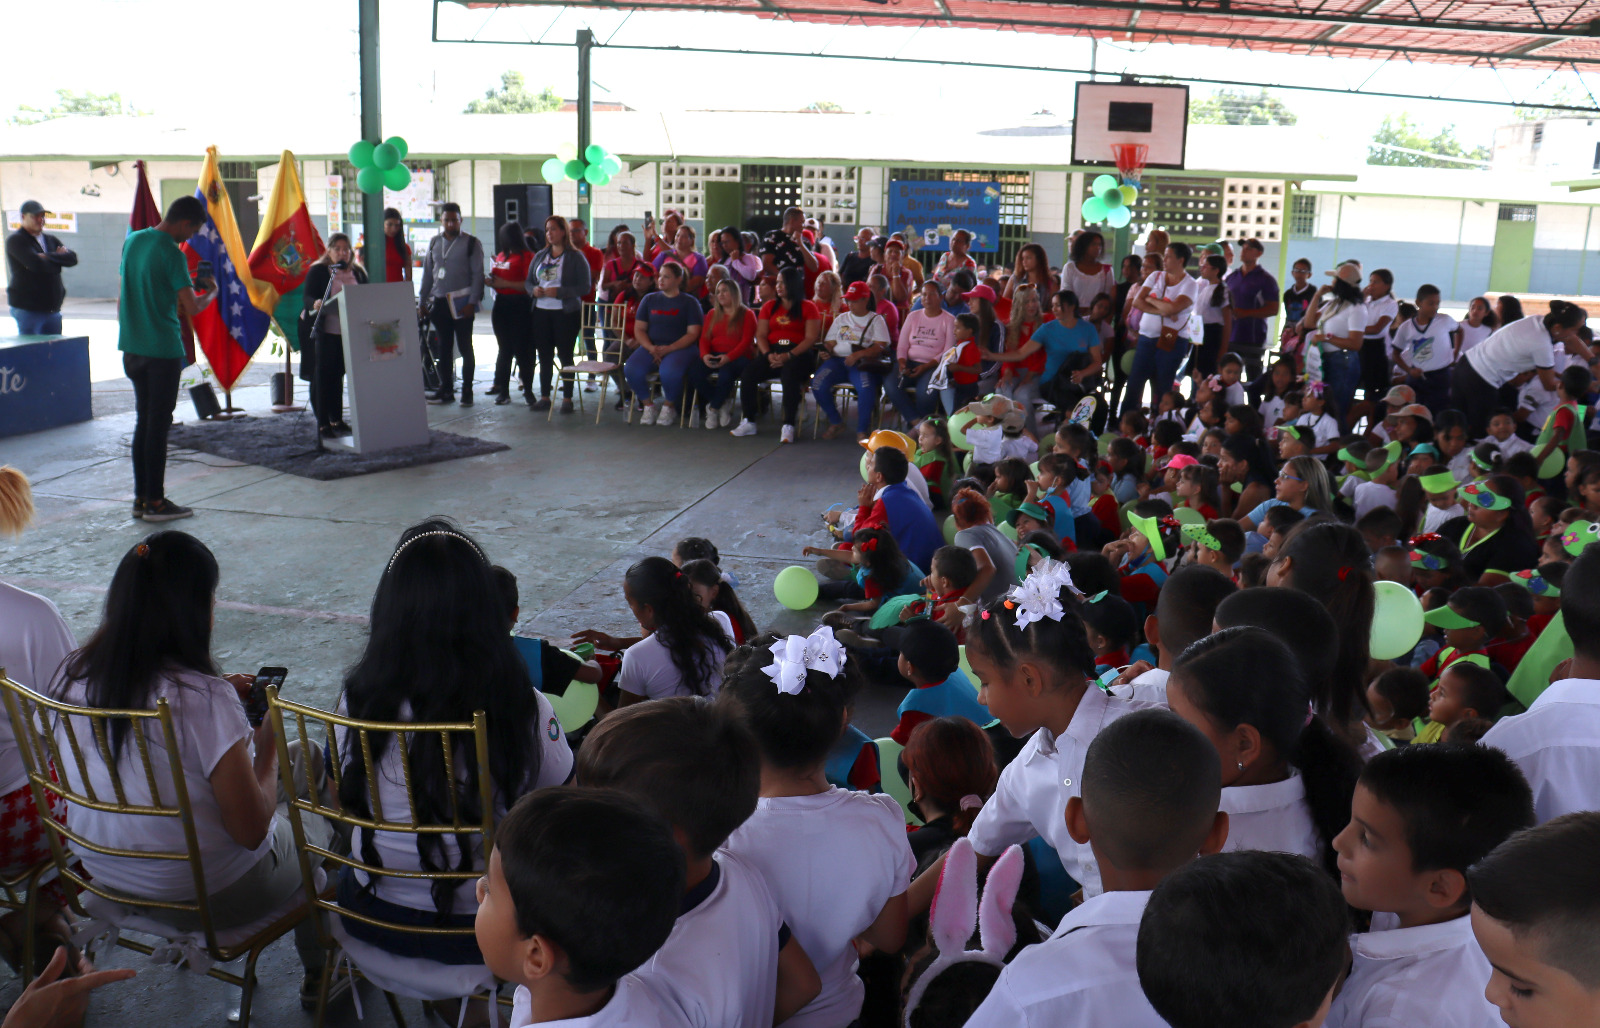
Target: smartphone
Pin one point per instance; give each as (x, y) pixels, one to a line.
(255, 708)
(202, 274)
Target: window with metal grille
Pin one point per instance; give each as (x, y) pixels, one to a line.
(1303, 217)
(1518, 212)
(1189, 209)
(769, 190)
(1016, 198)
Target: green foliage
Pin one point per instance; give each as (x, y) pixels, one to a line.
(1397, 130)
(70, 102)
(1238, 107)
(823, 107)
(1565, 94)
(513, 97)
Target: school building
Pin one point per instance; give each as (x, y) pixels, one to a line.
(1302, 190)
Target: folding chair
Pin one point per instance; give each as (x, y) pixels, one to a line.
(21, 894)
(415, 977)
(51, 734)
(606, 322)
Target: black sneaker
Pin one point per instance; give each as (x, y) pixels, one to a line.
(543, 403)
(138, 509)
(342, 427)
(438, 398)
(466, 398)
(566, 405)
(501, 399)
(328, 431)
(166, 510)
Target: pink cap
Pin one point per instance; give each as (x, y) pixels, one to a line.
(1181, 461)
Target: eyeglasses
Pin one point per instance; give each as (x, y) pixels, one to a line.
(1284, 475)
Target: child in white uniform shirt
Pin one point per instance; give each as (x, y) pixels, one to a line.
(1421, 816)
(1184, 612)
(1246, 938)
(582, 887)
(1149, 805)
(837, 861)
(1032, 657)
(1554, 742)
(730, 961)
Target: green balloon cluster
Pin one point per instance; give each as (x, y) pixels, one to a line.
(378, 165)
(595, 166)
(1110, 201)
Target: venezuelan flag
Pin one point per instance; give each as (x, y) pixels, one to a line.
(285, 248)
(231, 329)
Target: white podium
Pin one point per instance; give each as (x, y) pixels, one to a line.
(382, 367)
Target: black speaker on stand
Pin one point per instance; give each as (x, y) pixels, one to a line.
(528, 204)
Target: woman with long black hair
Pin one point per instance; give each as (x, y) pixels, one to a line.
(512, 314)
(787, 330)
(437, 650)
(396, 252)
(684, 644)
(558, 278)
(322, 352)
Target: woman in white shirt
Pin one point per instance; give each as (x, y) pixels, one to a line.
(1527, 344)
(857, 345)
(437, 651)
(155, 644)
(1085, 274)
(1166, 300)
(1341, 325)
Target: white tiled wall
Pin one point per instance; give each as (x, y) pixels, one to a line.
(1051, 191)
(829, 194)
(1253, 207)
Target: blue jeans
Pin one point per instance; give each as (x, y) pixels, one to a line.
(673, 367)
(956, 396)
(1155, 367)
(867, 384)
(1341, 374)
(912, 398)
(37, 323)
(715, 393)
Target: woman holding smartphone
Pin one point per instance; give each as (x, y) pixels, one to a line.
(725, 345)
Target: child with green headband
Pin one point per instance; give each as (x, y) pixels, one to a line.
(1382, 472)
(1544, 584)
(1219, 543)
(1293, 441)
(1140, 555)
(1473, 616)
(1440, 485)
(1563, 430)
(1422, 457)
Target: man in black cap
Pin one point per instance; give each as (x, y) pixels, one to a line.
(34, 260)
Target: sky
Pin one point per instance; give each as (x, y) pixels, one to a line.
(301, 63)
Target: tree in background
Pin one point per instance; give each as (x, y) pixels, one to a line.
(823, 107)
(1565, 94)
(513, 97)
(1238, 107)
(1401, 143)
(70, 102)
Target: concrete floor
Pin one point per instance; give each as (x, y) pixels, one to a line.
(567, 508)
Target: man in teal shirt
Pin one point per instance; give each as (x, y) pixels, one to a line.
(155, 287)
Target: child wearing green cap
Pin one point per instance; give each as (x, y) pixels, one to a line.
(1141, 554)
(1441, 486)
(1293, 441)
(1473, 616)
(1544, 584)
(1381, 472)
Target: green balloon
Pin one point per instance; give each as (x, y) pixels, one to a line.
(575, 169)
(1095, 209)
(950, 529)
(361, 154)
(958, 428)
(594, 153)
(369, 180)
(553, 170)
(385, 156)
(1129, 194)
(593, 174)
(603, 180)
(1103, 183)
(865, 474)
(1112, 198)
(611, 164)
(397, 177)
(1119, 217)
(399, 143)
(795, 587)
(1396, 620)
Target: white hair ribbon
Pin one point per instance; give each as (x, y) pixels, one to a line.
(793, 656)
(1039, 596)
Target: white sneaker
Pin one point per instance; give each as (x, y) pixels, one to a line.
(648, 417)
(746, 427)
(712, 419)
(787, 436)
(727, 410)
(667, 415)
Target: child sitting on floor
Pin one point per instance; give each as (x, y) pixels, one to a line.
(1275, 529)
(1112, 628)
(1397, 699)
(936, 459)
(997, 431)
(1474, 615)
(549, 667)
(881, 570)
(1218, 543)
(1150, 790)
(837, 861)
(698, 768)
(711, 587)
(1140, 555)
(930, 659)
(1421, 816)
(582, 887)
(1010, 488)
(951, 772)
(1544, 583)
(1465, 690)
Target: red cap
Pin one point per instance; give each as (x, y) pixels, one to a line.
(980, 292)
(808, 235)
(857, 291)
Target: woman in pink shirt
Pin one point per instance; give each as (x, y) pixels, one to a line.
(924, 337)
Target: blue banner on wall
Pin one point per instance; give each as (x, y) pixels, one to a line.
(928, 212)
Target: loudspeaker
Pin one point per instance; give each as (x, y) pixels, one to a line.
(528, 204)
(280, 389)
(205, 402)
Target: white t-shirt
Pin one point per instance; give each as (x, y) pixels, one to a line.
(1431, 974)
(648, 670)
(398, 851)
(1382, 307)
(832, 861)
(1339, 321)
(1160, 290)
(1150, 687)
(208, 720)
(1087, 287)
(1472, 335)
(849, 333)
(1554, 745)
(33, 643)
(1210, 313)
(1324, 427)
(1427, 348)
(1273, 817)
(1512, 444)
(1372, 495)
(1031, 796)
(720, 964)
(1433, 517)
(1523, 345)
(1085, 974)
(987, 443)
(637, 1003)
(1271, 411)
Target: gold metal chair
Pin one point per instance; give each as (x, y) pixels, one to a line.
(21, 894)
(606, 324)
(51, 733)
(343, 736)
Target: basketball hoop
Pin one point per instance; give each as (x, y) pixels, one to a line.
(1130, 158)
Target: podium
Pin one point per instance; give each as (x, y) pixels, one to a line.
(382, 367)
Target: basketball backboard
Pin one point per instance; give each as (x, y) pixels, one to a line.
(1106, 113)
